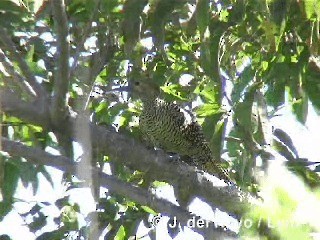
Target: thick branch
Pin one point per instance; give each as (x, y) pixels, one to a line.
(5, 39)
(158, 166)
(61, 76)
(33, 113)
(134, 154)
(142, 196)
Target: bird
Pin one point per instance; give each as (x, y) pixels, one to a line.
(165, 125)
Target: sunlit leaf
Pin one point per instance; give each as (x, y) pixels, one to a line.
(312, 8)
(149, 210)
(208, 109)
(120, 234)
(69, 217)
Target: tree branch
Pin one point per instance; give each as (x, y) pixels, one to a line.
(5, 39)
(30, 112)
(61, 76)
(39, 157)
(14, 77)
(159, 166)
(132, 153)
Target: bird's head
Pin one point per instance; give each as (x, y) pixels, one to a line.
(144, 89)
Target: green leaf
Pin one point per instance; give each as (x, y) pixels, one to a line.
(11, 177)
(209, 92)
(61, 202)
(241, 83)
(120, 234)
(149, 210)
(263, 132)
(244, 109)
(223, 16)
(54, 235)
(102, 106)
(286, 140)
(11, 14)
(39, 221)
(175, 90)
(81, 10)
(300, 168)
(157, 184)
(300, 109)
(208, 109)
(206, 57)
(69, 218)
(10, 182)
(216, 140)
(281, 148)
(264, 65)
(10, 6)
(312, 8)
(111, 209)
(28, 174)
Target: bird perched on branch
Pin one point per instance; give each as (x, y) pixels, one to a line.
(165, 126)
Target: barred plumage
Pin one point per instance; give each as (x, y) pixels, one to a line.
(164, 124)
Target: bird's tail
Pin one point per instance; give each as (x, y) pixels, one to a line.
(217, 170)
